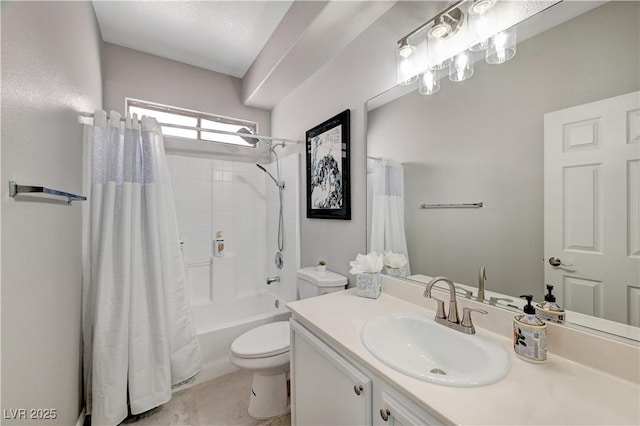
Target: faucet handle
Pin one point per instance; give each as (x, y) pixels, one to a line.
(464, 291)
(440, 311)
(494, 300)
(466, 318)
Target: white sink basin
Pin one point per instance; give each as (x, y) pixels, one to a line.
(419, 347)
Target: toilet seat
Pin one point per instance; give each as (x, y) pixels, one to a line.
(265, 341)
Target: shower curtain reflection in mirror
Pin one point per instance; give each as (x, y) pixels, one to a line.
(387, 210)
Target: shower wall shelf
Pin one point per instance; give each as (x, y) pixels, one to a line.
(15, 189)
(452, 206)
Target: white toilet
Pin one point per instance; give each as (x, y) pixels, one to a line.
(265, 349)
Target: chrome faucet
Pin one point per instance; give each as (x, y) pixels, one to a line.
(271, 280)
(482, 277)
(452, 320)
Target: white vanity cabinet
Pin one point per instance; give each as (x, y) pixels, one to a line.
(327, 389)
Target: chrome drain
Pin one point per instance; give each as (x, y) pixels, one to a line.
(438, 371)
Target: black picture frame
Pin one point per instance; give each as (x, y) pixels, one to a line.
(328, 169)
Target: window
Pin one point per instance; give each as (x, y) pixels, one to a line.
(184, 117)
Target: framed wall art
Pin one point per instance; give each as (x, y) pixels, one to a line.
(328, 183)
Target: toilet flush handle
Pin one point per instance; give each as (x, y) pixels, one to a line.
(271, 280)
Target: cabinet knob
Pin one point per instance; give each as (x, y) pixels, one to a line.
(385, 413)
(358, 389)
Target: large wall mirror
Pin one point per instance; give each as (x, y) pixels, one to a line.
(530, 140)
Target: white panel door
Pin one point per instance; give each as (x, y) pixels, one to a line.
(592, 205)
(326, 389)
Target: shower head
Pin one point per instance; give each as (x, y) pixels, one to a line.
(250, 141)
(278, 184)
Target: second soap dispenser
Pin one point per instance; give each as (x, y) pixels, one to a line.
(530, 334)
(549, 308)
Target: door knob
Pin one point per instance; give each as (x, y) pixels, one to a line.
(385, 413)
(554, 261)
(358, 389)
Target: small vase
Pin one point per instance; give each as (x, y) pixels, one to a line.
(321, 268)
(395, 272)
(369, 284)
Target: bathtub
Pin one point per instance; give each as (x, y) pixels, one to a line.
(219, 326)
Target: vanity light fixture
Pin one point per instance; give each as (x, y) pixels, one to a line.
(479, 23)
(449, 41)
(405, 65)
(446, 24)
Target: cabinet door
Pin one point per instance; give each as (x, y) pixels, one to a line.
(326, 388)
(393, 410)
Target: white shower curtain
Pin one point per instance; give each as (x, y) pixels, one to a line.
(138, 333)
(387, 215)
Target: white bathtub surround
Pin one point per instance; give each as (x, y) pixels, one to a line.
(574, 387)
(290, 174)
(229, 294)
(138, 333)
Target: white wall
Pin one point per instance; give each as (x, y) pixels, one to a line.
(50, 72)
(364, 69)
(482, 140)
(134, 74)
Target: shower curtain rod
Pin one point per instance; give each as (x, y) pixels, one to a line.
(222, 132)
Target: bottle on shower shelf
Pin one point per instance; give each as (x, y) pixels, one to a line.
(218, 245)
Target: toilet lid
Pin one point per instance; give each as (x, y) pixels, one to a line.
(267, 340)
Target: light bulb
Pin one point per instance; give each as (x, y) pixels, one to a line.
(440, 30)
(479, 7)
(461, 68)
(406, 50)
(500, 41)
(502, 47)
(428, 83)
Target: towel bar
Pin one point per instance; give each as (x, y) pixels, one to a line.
(451, 206)
(15, 189)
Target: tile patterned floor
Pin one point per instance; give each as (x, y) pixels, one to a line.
(220, 402)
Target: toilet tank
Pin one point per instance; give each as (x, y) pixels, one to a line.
(312, 282)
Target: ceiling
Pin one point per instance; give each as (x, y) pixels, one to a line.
(221, 36)
(272, 45)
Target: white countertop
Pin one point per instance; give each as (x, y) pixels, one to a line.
(559, 392)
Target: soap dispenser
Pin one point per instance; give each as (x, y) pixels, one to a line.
(549, 308)
(218, 244)
(530, 334)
